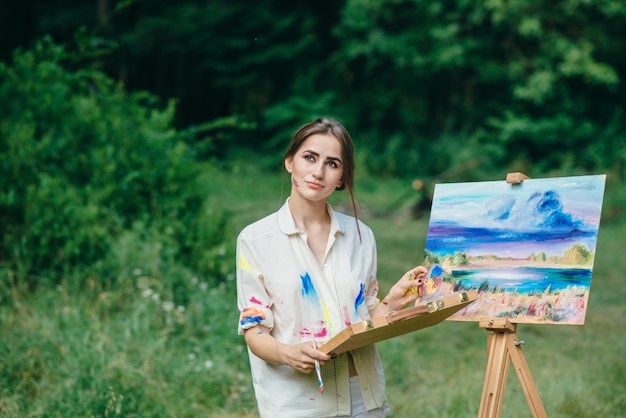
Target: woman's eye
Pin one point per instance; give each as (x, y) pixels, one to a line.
(332, 164)
(309, 157)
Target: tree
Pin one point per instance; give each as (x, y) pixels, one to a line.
(423, 86)
(83, 161)
(525, 83)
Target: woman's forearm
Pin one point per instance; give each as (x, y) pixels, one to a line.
(263, 345)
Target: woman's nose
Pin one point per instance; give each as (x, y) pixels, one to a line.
(318, 171)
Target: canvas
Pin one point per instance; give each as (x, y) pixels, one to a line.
(528, 248)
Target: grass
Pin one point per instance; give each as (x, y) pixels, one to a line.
(130, 351)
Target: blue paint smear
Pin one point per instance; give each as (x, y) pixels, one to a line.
(257, 319)
(360, 297)
(307, 286)
(436, 271)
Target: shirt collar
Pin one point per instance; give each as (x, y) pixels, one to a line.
(287, 224)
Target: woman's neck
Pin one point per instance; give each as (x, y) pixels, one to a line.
(307, 214)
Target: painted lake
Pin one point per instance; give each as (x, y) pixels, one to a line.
(524, 280)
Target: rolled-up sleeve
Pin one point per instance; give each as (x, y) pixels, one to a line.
(252, 299)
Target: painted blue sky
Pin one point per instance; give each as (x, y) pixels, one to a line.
(508, 220)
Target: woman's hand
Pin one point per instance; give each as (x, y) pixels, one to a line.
(405, 291)
(299, 356)
(302, 356)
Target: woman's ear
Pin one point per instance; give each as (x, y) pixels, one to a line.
(289, 164)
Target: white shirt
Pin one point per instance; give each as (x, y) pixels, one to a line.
(281, 285)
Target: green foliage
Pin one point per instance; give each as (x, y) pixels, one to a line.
(83, 161)
(222, 58)
(424, 87)
(459, 259)
(578, 254)
(535, 87)
(128, 352)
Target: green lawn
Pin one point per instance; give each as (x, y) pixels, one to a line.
(129, 351)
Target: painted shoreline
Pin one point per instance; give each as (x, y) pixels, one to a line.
(512, 263)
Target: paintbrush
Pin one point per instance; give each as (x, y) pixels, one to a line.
(318, 369)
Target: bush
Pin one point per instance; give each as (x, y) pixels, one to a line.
(83, 162)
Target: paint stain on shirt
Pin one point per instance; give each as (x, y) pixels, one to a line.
(245, 264)
(255, 301)
(317, 307)
(306, 333)
(360, 298)
(251, 316)
(327, 318)
(346, 316)
(308, 290)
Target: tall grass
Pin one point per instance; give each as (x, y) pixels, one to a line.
(139, 349)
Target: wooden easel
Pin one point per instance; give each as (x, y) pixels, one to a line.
(502, 347)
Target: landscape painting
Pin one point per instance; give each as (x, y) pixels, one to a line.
(527, 248)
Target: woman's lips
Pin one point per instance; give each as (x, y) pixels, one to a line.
(314, 185)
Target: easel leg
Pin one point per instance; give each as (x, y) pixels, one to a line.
(525, 377)
(495, 378)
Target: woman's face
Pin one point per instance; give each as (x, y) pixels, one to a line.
(316, 168)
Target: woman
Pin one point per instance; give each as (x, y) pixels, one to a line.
(306, 272)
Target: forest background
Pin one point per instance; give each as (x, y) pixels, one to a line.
(138, 137)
